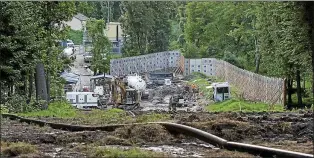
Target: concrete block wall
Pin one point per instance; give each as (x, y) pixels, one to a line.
(203, 65)
(144, 63)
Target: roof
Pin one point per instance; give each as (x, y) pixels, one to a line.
(220, 84)
(81, 17)
(101, 76)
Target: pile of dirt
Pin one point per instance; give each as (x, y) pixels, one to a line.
(145, 134)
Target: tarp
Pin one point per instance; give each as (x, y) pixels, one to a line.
(70, 77)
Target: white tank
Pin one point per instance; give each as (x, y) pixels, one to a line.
(68, 51)
(136, 82)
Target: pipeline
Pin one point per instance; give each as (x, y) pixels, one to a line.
(174, 127)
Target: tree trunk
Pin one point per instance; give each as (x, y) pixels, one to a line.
(309, 15)
(257, 57)
(299, 92)
(30, 84)
(289, 90)
(25, 84)
(41, 88)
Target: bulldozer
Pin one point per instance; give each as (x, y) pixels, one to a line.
(123, 96)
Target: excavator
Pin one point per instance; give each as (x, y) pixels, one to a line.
(123, 96)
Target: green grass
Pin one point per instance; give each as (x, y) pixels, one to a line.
(65, 110)
(237, 105)
(56, 109)
(16, 149)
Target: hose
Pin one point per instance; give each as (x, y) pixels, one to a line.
(186, 130)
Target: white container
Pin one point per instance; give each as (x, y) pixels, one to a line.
(82, 100)
(136, 82)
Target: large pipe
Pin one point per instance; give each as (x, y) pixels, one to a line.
(187, 130)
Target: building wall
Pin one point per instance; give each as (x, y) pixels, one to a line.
(203, 65)
(111, 31)
(75, 24)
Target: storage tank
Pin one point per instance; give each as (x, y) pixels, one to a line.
(68, 52)
(136, 82)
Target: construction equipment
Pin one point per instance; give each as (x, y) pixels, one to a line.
(175, 101)
(136, 82)
(123, 96)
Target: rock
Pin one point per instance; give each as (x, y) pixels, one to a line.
(58, 149)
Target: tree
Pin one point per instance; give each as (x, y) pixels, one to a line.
(146, 26)
(101, 46)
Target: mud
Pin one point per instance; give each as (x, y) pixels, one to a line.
(290, 131)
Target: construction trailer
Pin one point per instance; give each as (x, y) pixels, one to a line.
(101, 86)
(221, 91)
(82, 100)
(158, 78)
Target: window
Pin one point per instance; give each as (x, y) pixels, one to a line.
(199, 70)
(222, 90)
(204, 70)
(199, 66)
(205, 66)
(192, 65)
(210, 65)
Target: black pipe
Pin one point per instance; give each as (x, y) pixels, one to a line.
(187, 130)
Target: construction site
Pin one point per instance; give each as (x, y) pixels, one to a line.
(156, 113)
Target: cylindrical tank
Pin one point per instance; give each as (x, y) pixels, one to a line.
(68, 51)
(136, 82)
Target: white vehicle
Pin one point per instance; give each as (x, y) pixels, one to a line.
(70, 43)
(88, 57)
(82, 100)
(221, 91)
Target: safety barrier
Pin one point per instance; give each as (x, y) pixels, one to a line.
(186, 130)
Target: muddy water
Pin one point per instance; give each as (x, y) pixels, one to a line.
(191, 149)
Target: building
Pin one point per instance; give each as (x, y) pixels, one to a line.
(78, 22)
(115, 35)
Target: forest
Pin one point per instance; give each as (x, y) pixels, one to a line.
(270, 38)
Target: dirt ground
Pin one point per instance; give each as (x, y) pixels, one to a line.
(290, 131)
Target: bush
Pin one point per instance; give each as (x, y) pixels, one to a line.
(60, 109)
(18, 104)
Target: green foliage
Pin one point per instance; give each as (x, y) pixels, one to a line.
(18, 103)
(76, 36)
(101, 46)
(237, 105)
(60, 109)
(147, 27)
